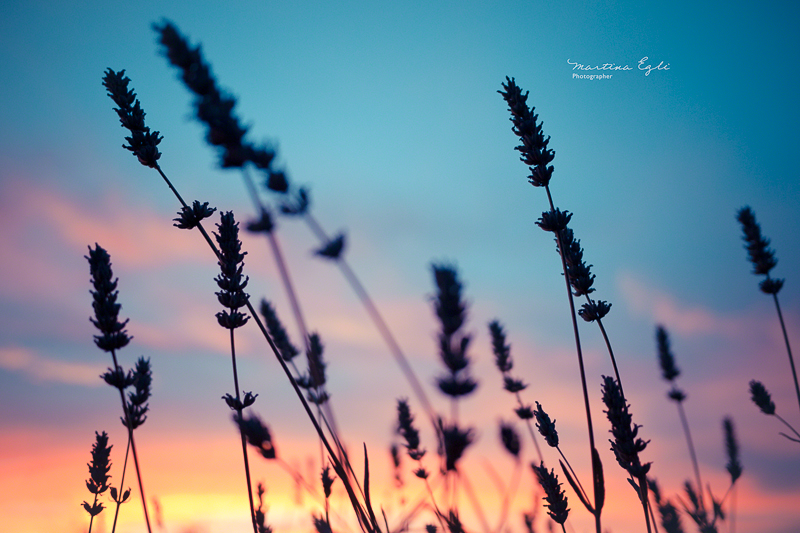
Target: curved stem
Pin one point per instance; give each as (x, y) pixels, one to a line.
(294, 303)
(476, 506)
(610, 350)
(574, 475)
(788, 347)
(121, 484)
(595, 473)
(380, 324)
(127, 420)
(787, 424)
(692, 454)
(91, 516)
(643, 498)
(357, 508)
(241, 433)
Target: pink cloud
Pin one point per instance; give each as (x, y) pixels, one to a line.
(41, 225)
(41, 368)
(678, 316)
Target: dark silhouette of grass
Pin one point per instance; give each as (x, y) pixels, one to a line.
(453, 435)
(764, 260)
(114, 336)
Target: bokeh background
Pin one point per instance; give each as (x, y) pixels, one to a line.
(389, 113)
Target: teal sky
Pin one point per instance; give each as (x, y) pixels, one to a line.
(389, 112)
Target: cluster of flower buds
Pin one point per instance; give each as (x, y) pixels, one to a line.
(554, 495)
(626, 444)
(230, 280)
(534, 151)
(451, 311)
(142, 143)
(758, 251)
(104, 302)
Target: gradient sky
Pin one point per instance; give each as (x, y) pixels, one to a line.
(389, 113)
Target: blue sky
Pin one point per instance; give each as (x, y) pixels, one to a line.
(390, 114)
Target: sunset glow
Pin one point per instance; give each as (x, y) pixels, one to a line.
(390, 116)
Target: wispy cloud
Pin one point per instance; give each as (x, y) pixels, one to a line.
(40, 368)
(680, 317)
(42, 224)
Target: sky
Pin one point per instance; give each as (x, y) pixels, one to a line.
(389, 114)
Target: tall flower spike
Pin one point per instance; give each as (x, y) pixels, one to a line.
(451, 311)
(298, 205)
(554, 220)
(665, 358)
(761, 397)
(314, 380)
(333, 248)
(510, 439)
(406, 429)
(580, 277)
(100, 465)
(555, 497)
(533, 150)
(626, 446)
(142, 143)
(257, 434)
(594, 310)
(137, 401)
(264, 224)
(230, 279)
(277, 332)
(104, 302)
(760, 255)
(455, 442)
(670, 518)
(546, 427)
(502, 351)
(734, 466)
(448, 304)
(213, 107)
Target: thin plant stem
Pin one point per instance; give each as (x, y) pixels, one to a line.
(379, 322)
(91, 516)
(645, 502)
(692, 454)
(652, 512)
(528, 423)
(361, 514)
(121, 484)
(133, 445)
(581, 366)
(241, 433)
(508, 491)
(294, 303)
(388, 338)
(788, 347)
(534, 439)
(574, 475)
(787, 424)
(476, 506)
(610, 350)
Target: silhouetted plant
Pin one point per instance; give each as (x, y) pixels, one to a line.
(763, 259)
(98, 475)
(114, 336)
(762, 398)
(215, 109)
(537, 155)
